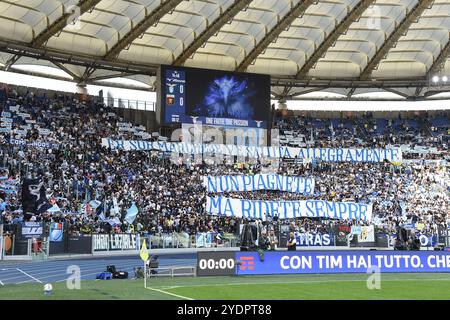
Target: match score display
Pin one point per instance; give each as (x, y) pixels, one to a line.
(212, 97)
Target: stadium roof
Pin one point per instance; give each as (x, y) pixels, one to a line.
(343, 46)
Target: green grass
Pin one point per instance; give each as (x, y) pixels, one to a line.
(283, 287)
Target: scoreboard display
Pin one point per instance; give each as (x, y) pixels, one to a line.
(218, 98)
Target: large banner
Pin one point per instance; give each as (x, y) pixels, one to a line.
(244, 183)
(342, 262)
(34, 198)
(260, 209)
(324, 154)
(112, 242)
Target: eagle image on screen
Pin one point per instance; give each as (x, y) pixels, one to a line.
(227, 97)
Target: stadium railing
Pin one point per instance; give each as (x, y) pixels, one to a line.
(129, 104)
(179, 240)
(175, 271)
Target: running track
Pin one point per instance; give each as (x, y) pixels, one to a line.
(56, 270)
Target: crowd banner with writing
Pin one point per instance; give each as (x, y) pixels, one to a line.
(115, 242)
(260, 209)
(324, 154)
(34, 144)
(314, 239)
(218, 184)
(427, 240)
(31, 229)
(342, 262)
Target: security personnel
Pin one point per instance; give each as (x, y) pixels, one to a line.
(292, 242)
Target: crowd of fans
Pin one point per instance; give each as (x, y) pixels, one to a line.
(170, 197)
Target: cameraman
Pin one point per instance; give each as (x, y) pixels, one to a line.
(264, 241)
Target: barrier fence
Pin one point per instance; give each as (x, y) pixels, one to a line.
(38, 241)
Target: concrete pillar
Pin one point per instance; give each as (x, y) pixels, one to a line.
(282, 105)
(81, 89)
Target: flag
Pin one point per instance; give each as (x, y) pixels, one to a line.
(56, 232)
(101, 216)
(114, 221)
(131, 213)
(115, 206)
(2, 205)
(100, 211)
(95, 204)
(54, 209)
(144, 251)
(34, 199)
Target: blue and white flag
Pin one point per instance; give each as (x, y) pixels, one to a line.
(114, 221)
(131, 213)
(54, 209)
(95, 204)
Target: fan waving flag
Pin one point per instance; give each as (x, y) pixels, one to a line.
(131, 213)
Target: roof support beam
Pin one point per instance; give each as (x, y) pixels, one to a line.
(341, 28)
(301, 93)
(152, 18)
(439, 63)
(110, 76)
(87, 73)
(66, 70)
(23, 49)
(349, 83)
(217, 24)
(117, 66)
(404, 95)
(351, 92)
(392, 40)
(50, 76)
(298, 10)
(59, 24)
(11, 61)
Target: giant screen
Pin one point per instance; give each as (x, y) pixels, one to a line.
(214, 97)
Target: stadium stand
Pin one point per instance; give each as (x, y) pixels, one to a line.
(85, 181)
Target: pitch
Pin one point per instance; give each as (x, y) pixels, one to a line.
(434, 286)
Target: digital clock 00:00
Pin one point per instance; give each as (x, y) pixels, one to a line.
(216, 263)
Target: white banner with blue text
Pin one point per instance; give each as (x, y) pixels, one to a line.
(293, 184)
(324, 154)
(260, 209)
